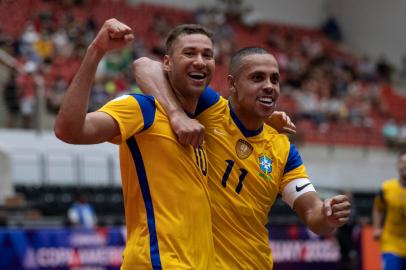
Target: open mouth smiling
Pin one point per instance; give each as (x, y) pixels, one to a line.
(268, 101)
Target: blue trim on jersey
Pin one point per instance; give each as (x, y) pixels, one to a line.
(206, 100)
(147, 105)
(391, 261)
(294, 159)
(149, 208)
(243, 129)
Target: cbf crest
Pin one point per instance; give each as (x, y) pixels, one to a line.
(243, 149)
(265, 164)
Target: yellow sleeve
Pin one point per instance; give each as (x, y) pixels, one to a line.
(133, 114)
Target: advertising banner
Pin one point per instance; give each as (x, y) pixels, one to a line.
(101, 249)
(72, 249)
(296, 247)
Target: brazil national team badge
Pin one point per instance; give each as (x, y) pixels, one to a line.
(265, 164)
(243, 149)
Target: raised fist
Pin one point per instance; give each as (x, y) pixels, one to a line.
(112, 35)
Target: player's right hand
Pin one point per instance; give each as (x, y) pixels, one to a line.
(337, 210)
(188, 130)
(112, 35)
(377, 234)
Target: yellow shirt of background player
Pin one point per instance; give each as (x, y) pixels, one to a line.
(392, 199)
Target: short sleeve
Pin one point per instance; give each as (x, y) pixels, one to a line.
(294, 167)
(133, 114)
(206, 100)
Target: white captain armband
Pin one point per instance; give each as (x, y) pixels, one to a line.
(295, 189)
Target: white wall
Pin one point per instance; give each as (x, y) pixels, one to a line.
(374, 26)
(351, 168)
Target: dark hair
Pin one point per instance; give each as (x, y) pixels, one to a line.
(186, 29)
(239, 55)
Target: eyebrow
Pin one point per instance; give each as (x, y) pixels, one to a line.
(275, 73)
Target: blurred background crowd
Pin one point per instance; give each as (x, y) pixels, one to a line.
(327, 90)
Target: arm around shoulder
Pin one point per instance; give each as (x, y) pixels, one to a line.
(151, 78)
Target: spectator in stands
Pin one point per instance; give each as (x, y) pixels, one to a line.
(384, 69)
(402, 71)
(390, 132)
(81, 213)
(389, 218)
(250, 18)
(332, 29)
(402, 135)
(366, 69)
(28, 87)
(11, 100)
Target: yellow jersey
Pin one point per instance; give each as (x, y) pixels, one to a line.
(165, 189)
(392, 200)
(247, 171)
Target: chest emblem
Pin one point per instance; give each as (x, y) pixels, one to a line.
(265, 164)
(243, 149)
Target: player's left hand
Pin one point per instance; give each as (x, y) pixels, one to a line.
(337, 210)
(281, 122)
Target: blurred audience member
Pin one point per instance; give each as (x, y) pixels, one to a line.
(331, 88)
(332, 29)
(28, 88)
(384, 69)
(403, 68)
(402, 134)
(81, 213)
(390, 132)
(11, 100)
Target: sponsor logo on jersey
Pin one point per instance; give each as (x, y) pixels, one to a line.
(243, 149)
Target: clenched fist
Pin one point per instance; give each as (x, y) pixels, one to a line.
(112, 35)
(337, 210)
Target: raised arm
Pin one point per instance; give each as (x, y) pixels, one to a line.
(323, 217)
(151, 78)
(73, 124)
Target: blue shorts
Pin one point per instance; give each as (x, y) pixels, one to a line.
(392, 261)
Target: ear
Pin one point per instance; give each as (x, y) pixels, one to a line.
(166, 63)
(231, 84)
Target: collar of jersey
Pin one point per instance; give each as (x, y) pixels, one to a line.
(241, 127)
